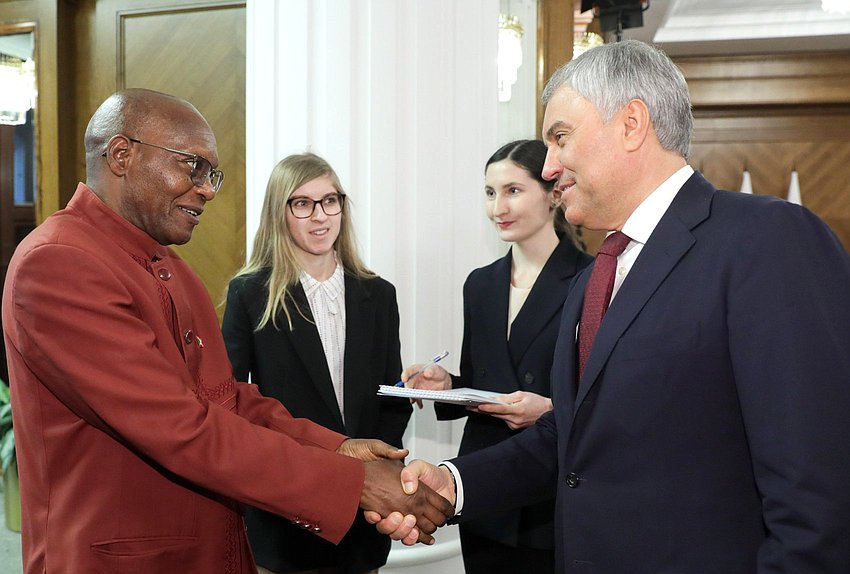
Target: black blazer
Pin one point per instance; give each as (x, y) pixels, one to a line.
(291, 367)
(710, 431)
(491, 361)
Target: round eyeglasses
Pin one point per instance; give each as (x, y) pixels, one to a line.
(303, 207)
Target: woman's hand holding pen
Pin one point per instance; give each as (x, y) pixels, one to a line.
(433, 378)
(523, 409)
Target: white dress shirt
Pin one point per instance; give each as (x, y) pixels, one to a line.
(643, 220)
(327, 302)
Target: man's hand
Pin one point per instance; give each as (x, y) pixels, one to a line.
(418, 508)
(369, 449)
(523, 410)
(414, 477)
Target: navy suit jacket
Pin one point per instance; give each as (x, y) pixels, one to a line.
(710, 432)
(291, 367)
(492, 361)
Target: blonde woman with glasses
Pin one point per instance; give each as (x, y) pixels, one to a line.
(317, 330)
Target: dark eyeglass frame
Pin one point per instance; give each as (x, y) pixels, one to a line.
(202, 169)
(320, 202)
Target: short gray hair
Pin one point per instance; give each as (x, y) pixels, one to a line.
(612, 75)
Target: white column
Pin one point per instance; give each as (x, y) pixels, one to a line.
(400, 97)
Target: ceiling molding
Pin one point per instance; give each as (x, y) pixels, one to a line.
(698, 27)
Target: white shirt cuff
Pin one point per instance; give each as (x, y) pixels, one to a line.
(458, 486)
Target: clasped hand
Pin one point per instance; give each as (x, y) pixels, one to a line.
(416, 477)
(417, 508)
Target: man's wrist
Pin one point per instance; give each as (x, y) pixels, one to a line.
(454, 482)
(457, 483)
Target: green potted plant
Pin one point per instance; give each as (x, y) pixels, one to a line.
(8, 463)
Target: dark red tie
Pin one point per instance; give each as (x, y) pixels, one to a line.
(597, 293)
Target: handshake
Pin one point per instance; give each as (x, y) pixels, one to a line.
(407, 503)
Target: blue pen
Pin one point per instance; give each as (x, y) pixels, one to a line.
(433, 361)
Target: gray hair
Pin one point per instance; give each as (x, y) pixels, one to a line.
(612, 75)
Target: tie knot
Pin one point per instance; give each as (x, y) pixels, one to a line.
(614, 244)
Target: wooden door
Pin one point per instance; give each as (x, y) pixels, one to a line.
(772, 115)
(193, 50)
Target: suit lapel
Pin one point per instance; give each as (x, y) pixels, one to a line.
(564, 365)
(359, 332)
(490, 299)
(488, 294)
(545, 300)
(493, 298)
(669, 242)
(305, 339)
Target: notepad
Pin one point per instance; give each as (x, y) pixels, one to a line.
(461, 396)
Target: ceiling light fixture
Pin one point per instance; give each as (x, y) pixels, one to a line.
(509, 57)
(585, 42)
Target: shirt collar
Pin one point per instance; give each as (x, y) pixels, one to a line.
(332, 287)
(129, 237)
(643, 220)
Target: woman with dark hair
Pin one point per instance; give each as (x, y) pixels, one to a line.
(512, 311)
(318, 331)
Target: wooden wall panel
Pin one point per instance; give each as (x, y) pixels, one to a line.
(821, 166)
(211, 75)
(773, 114)
(42, 16)
(764, 79)
(554, 43)
(196, 51)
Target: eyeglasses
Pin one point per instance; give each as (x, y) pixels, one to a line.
(202, 169)
(303, 207)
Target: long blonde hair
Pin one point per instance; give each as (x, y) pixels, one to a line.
(274, 248)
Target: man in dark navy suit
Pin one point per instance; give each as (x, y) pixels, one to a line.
(709, 430)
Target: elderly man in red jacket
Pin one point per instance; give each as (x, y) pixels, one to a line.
(135, 443)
